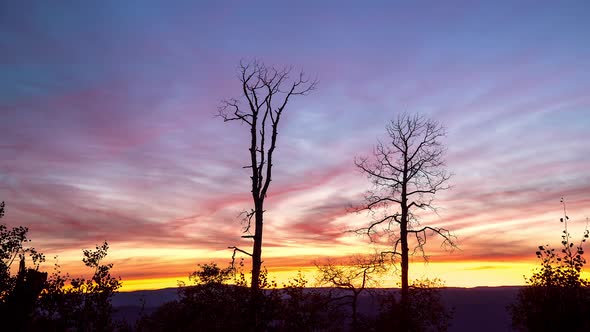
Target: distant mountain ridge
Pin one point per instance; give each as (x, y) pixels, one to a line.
(481, 309)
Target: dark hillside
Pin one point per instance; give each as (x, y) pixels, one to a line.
(479, 309)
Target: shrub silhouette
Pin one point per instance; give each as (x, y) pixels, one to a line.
(79, 304)
(557, 298)
(427, 310)
(18, 292)
(211, 304)
(307, 309)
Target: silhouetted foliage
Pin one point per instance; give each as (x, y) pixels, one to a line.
(556, 298)
(211, 274)
(30, 301)
(353, 277)
(76, 303)
(19, 292)
(265, 93)
(307, 309)
(218, 301)
(428, 313)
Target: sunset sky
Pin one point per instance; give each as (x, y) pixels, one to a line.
(108, 128)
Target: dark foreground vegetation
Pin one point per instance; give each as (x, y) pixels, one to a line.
(557, 297)
(219, 298)
(214, 305)
(32, 300)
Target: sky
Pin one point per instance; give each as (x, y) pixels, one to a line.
(108, 128)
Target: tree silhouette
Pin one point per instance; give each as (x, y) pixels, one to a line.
(405, 175)
(266, 92)
(78, 303)
(30, 301)
(427, 310)
(353, 276)
(13, 247)
(19, 292)
(557, 297)
(306, 309)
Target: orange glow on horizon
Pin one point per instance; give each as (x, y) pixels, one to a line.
(152, 283)
(452, 274)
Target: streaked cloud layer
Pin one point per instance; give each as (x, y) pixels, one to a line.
(108, 128)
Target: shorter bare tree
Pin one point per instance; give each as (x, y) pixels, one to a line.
(354, 276)
(405, 173)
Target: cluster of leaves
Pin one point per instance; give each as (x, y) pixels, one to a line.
(13, 247)
(78, 303)
(556, 296)
(424, 311)
(18, 291)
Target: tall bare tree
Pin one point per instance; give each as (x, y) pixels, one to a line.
(405, 175)
(265, 94)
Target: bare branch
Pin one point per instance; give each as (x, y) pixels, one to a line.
(354, 273)
(449, 240)
(247, 219)
(240, 250)
(370, 230)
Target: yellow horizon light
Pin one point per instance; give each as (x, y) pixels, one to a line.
(452, 274)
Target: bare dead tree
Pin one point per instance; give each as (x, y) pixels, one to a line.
(265, 94)
(405, 175)
(353, 275)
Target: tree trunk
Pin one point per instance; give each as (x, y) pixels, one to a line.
(405, 255)
(257, 248)
(255, 300)
(405, 263)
